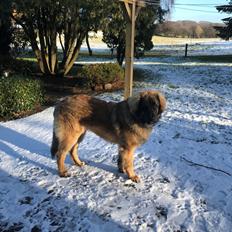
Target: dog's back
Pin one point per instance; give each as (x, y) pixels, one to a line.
(79, 113)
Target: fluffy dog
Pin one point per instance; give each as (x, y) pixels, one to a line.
(127, 123)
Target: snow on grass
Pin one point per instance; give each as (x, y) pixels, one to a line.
(174, 48)
(195, 48)
(173, 196)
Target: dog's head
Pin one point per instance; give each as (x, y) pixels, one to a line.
(147, 107)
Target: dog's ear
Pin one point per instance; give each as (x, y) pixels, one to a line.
(133, 103)
(144, 112)
(139, 108)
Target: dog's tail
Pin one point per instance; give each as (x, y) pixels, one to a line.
(55, 140)
(54, 146)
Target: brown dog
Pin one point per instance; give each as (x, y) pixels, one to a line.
(127, 123)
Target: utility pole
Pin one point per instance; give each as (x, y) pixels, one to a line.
(132, 8)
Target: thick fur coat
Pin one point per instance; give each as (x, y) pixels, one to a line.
(127, 123)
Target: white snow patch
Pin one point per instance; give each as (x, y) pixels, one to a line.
(173, 195)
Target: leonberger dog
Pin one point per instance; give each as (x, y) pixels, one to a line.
(127, 123)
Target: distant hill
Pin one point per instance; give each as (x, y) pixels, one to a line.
(187, 29)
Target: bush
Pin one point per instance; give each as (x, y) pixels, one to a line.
(25, 67)
(18, 66)
(19, 94)
(101, 74)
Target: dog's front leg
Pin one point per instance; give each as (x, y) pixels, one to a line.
(125, 162)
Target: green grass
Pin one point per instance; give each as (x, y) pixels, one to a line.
(213, 58)
(32, 59)
(29, 56)
(203, 58)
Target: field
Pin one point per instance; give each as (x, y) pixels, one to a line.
(96, 38)
(161, 40)
(204, 49)
(165, 46)
(185, 167)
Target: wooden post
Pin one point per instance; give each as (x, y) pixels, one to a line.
(186, 50)
(132, 10)
(129, 53)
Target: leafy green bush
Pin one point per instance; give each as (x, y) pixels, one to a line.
(25, 67)
(19, 66)
(101, 74)
(19, 94)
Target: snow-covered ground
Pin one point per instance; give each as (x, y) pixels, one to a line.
(174, 195)
(202, 48)
(194, 48)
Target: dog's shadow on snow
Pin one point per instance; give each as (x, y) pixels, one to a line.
(44, 201)
(16, 145)
(110, 168)
(100, 165)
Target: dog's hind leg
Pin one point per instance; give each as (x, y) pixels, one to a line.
(60, 162)
(74, 156)
(64, 148)
(126, 158)
(74, 149)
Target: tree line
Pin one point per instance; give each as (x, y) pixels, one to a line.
(187, 29)
(225, 30)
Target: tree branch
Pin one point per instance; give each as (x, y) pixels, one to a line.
(61, 43)
(191, 163)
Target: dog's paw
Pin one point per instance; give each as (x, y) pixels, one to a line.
(82, 163)
(79, 163)
(121, 170)
(64, 174)
(135, 179)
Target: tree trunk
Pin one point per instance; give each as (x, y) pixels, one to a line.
(43, 36)
(72, 44)
(47, 37)
(88, 46)
(5, 39)
(120, 54)
(73, 55)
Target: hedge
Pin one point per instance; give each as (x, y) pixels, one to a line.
(101, 74)
(19, 94)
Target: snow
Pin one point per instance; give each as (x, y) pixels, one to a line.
(201, 48)
(173, 195)
(194, 48)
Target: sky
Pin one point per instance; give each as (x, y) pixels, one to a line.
(205, 11)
